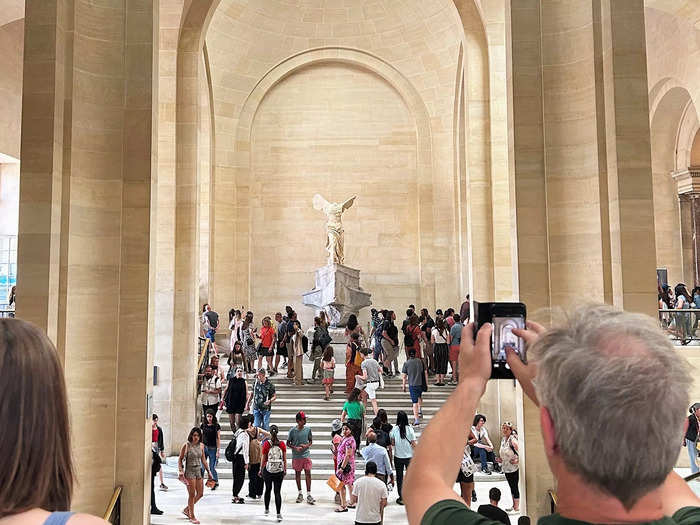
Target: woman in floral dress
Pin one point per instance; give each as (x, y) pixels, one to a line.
(346, 466)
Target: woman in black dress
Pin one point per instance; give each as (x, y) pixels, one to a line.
(236, 397)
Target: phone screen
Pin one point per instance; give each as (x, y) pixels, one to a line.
(503, 336)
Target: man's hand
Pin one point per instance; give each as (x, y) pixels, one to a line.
(475, 358)
(525, 373)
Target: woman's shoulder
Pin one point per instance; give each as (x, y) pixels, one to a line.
(39, 517)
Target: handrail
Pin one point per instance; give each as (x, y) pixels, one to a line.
(113, 512)
(553, 500)
(203, 354)
(692, 477)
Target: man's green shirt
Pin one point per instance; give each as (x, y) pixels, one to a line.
(453, 512)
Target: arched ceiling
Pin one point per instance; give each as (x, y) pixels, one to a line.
(11, 10)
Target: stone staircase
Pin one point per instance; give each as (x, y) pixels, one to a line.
(320, 413)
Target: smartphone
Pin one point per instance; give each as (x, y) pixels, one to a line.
(505, 317)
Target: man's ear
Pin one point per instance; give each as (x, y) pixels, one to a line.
(548, 432)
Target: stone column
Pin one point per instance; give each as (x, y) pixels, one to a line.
(688, 182)
(84, 239)
(582, 167)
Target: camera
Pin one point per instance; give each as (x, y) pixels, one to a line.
(505, 317)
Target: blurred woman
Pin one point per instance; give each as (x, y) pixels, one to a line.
(189, 465)
(247, 334)
(403, 439)
(36, 462)
(509, 461)
(345, 471)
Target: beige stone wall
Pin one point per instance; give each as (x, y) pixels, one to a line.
(340, 131)
(12, 45)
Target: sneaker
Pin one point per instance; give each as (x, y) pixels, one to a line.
(157, 512)
(300, 498)
(399, 501)
(474, 496)
(310, 499)
(283, 365)
(279, 518)
(267, 512)
(163, 487)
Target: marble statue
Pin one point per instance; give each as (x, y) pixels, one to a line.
(334, 240)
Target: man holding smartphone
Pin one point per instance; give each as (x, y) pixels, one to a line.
(599, 358)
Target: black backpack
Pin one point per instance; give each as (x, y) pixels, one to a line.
(230, 452)
(408, 337)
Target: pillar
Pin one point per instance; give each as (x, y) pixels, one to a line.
(688, 183)
(84, 239)
(582, 170)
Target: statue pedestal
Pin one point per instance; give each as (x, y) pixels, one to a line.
(338, 292)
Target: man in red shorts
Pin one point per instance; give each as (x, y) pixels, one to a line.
(299, 441)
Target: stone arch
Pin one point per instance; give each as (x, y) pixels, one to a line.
(416, 108)
(673, 122)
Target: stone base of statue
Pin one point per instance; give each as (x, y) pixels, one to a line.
(338, 292)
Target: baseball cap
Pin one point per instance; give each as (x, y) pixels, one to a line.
(301, 415)
(336, 425)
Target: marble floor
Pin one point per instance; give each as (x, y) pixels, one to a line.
(216, 507)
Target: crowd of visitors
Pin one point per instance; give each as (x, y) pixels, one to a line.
(431, 345)
(682, 325)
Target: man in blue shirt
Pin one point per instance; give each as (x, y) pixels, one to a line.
(380, 456)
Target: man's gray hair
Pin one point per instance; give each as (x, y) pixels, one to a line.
(617, 392)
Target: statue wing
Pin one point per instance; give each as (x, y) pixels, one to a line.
(319, 202)
(349, 202)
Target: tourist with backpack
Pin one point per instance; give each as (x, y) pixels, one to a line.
(320, 342)
(237, 452)
(381, 427)
(412, 337)
(509, 460)
(273, 469)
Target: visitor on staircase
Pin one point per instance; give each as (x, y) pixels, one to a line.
(346, 466)
(234, 323)
(263, 396)
(379, 455)
(289, 342)
(371, 374)
(298, 338)
(415, 375)
(36, 462)
(403, 439)
(426, 325)
(353, 414)
(382, 428)
(389, 338)
(255, 481)
(280, 347)
(273, 469)
(353, 361)
(440, 339)
(248, 335)
(237, 397)
(455, 339)
(328, 368)
(299, 441)
(320, 341)
(241, 458)
(211, 391)
(265, 348)
(236, 357)
(189, 467)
